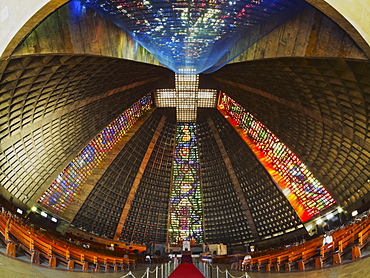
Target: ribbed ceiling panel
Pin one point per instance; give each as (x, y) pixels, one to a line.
(319, 108)
(53, 105)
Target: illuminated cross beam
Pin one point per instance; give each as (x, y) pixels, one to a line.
(186, 97)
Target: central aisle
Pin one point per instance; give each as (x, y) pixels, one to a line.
(186, 270)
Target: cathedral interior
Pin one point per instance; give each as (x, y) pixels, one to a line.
(154, 122)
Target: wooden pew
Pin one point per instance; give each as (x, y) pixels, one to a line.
(362, 240)
(41, 246)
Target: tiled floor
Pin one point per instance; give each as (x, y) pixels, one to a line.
(16, 268)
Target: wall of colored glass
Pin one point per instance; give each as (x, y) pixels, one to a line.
(63, 189)
(306, 194)
(190, 37)
(186, 216)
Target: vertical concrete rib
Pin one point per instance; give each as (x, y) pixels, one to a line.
(234, 180)
(137, 179)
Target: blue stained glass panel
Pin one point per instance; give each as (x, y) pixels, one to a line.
(189, 35)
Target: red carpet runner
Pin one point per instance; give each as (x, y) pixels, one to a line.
(186, 270)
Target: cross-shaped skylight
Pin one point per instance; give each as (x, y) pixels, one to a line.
(186, 97)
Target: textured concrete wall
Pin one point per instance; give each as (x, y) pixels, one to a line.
(357, 13)
(352, 15)
(77, 29)
(310, 34)
(18, 17)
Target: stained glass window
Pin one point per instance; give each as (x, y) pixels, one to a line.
(186, 219)
(306, 194)
(190, 36)
(63, 189)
